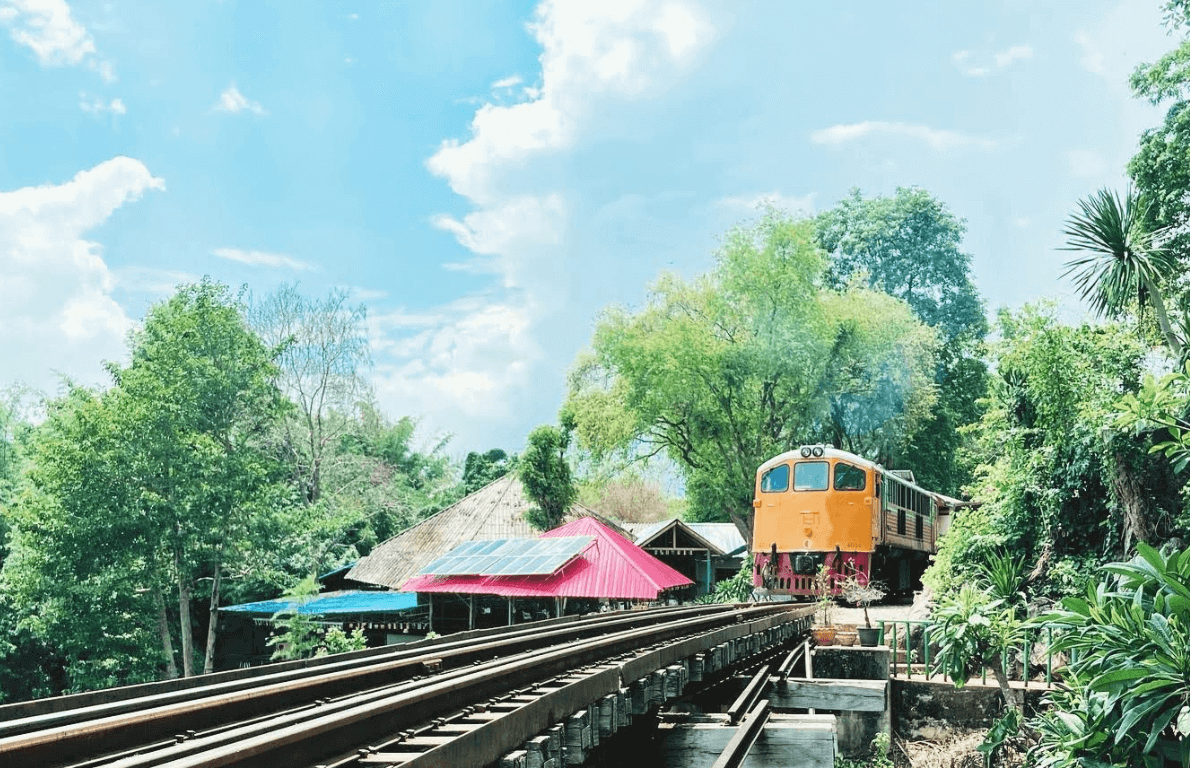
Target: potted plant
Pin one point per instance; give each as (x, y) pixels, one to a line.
(824, 633)
(857, 589)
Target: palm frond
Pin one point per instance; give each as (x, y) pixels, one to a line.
(1120, 253)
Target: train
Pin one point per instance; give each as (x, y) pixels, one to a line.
(817, 505)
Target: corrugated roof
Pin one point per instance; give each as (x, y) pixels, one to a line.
(334, 603)
(725, 536)
(496, 511)
(612, 567)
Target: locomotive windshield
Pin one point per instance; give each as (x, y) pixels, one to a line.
(849, 478)
(776, 480)
(810, 476)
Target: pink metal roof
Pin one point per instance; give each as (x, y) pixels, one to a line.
(610, 567)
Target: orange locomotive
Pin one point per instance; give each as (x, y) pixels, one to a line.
(820, 506)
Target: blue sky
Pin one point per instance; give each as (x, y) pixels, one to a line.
(487, 176)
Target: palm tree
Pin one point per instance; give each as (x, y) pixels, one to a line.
(1123, 259)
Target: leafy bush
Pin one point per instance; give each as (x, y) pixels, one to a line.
(1129, 678)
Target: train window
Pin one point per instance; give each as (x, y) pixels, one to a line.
(849, 478)
(776, 480)
(810, 476)
(920, 528)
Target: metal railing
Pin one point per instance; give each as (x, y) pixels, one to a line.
(898, 635)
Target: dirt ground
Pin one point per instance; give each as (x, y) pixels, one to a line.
(845, 614)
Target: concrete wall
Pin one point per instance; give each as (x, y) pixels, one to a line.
(929, 710)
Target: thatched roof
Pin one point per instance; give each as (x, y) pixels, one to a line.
(496, 511)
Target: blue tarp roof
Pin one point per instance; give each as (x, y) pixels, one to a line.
(351, 603)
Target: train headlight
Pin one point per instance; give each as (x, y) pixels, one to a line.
(805, 451)
(817, 451)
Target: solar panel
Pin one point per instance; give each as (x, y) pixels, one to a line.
(508, 557)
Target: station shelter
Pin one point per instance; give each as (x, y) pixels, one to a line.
(582, 566)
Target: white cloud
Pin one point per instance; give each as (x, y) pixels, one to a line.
(588, 49)
(507, 82)
(936, 138)
(471, 361)
(751, 204)
(460, 363)
(1015, 53)
(262, 259)
(48, 28)
(233, 101)
(999, 60)
(98, 106)
(58, 313)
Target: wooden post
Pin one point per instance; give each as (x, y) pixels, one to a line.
(510, 611)
(471, 612)
(431, 611)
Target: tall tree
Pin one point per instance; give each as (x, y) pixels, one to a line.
(479, 469)
(153, 485)
(724, 371)
(909, 245)
(323, 354)
(545, 474)
(1123, 264)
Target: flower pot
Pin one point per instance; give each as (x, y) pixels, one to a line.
(869, 636)
(846, 637)
(823, 635)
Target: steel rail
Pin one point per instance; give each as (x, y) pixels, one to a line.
(206, 706)
(745, 736)
(478, 746)
(108, 734)
(24, 717)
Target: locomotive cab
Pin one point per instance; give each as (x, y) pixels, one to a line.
(818, 506)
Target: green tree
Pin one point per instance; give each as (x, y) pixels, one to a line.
(1122, 262)
(151, 487)
(545, 473)
(725, 371)
(479, 469)
(909, 245)
(1057, 485)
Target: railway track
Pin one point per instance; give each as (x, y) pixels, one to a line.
(454, 702)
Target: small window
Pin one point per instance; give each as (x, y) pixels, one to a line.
(811, 476)
(776, 480)
(849, 478)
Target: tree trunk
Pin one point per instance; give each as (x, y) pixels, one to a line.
(167, 643)
(996, 664)
(1175, 345)
(1132, 500)
(208, 664)
(184, 619)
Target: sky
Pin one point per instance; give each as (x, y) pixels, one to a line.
(488, 176)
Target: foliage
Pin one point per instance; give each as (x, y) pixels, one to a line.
(1055, 484)
(879, 755)
(1005, 728)
(545, 474)
(1129, 677)
(630, 498)
(724, 371)
(1122, 260)
(909, 245)
(296, 635)
(1163, 405)
(479, 469)
(337, 641)
(824, 595)
(737, 589)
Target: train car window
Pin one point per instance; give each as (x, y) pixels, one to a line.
(849, 478)
(776, 480)
(920, 528)
(900, 522)
(811, 476)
